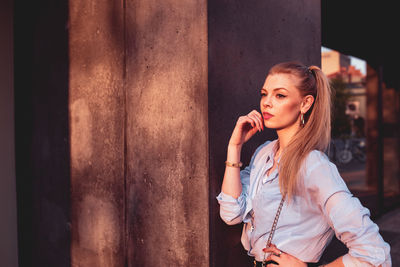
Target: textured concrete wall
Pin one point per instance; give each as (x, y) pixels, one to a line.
(8, 198)
(167, 149)
(138, 118)
(97, 111)
(245, 40)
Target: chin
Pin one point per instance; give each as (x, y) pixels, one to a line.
(274, 126)
(271, 126)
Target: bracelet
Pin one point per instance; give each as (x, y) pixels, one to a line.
(236, 165)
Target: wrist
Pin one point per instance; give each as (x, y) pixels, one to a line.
(234, 152)
(234, 147)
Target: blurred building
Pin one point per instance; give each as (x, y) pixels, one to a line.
(338, 66)
(333, 62)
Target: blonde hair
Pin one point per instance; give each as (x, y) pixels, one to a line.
(316, 132)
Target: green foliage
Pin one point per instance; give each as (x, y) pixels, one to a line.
(341, 125)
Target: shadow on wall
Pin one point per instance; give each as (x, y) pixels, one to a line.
(41, 132)
(8, 222)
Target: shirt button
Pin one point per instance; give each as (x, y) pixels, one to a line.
(252, 228)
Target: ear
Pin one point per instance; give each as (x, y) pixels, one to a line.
(306, 104)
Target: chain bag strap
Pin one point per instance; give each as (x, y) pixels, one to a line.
(271, 233)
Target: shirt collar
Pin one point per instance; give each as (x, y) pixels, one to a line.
(270, 161)
(272, 151)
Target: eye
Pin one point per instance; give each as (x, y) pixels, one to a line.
(280, 96)
(263, 94)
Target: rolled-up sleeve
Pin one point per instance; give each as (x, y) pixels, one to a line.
(232, 209)
(347, 217)
(353, 226)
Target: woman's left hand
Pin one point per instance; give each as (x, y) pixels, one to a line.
(282, 258)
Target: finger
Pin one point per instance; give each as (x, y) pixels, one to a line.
(252, 121)
(275, 258)
(270, 258)
(256, 123)
(260, 120)
(272, 249)
(245, 119)
(271, 252)
(258, 114)
(256, 120)
(260, 117)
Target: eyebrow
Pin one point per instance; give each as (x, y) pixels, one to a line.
(275, 89)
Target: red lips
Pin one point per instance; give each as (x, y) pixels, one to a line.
(267, 115)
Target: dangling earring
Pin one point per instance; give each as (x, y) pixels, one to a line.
(302, 120)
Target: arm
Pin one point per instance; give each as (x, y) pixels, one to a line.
(347, 217)
(231, 185)
(348, 260)
(235, 183)
(245, 128)
(353, 227)
(232, 209)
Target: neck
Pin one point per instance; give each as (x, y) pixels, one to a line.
(285, 135)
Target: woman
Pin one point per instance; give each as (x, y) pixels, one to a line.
(291, 198)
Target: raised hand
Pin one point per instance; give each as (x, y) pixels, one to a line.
(246, 127)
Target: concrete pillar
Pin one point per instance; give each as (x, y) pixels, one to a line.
(166, 133)
(138, 118)
(97, 121)
(8, 198)
(245, 40)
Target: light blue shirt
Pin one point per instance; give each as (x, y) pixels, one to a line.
(323, 207)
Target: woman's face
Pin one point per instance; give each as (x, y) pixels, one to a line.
(281, 101)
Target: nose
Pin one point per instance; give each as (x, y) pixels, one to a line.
(266, 101)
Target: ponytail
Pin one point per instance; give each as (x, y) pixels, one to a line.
(316, 132)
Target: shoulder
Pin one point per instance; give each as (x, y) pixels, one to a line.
(316, 159)
(319, 171)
